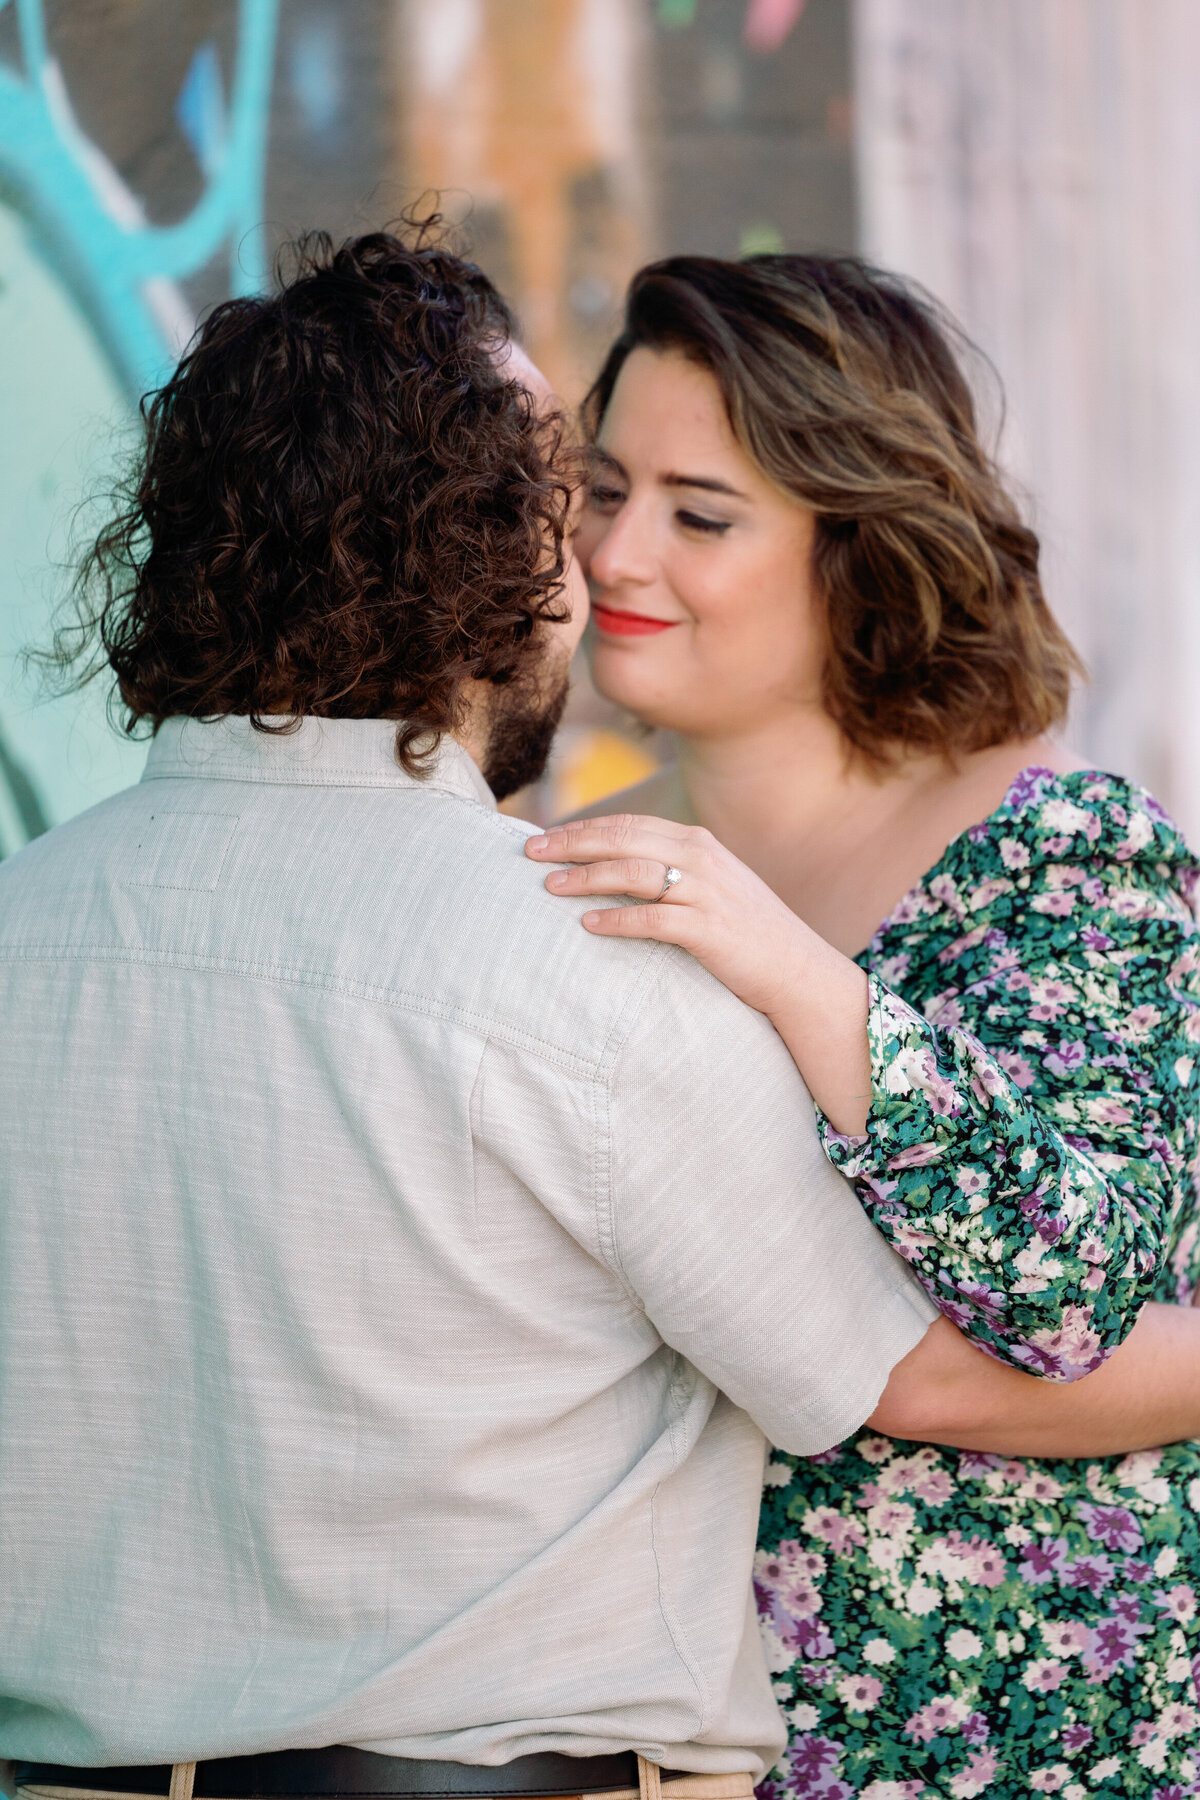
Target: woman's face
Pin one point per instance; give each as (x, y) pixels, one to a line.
(701, 570)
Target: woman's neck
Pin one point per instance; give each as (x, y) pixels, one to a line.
(773, 792)
(838, 841)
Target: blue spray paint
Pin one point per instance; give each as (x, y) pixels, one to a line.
(90, 231)
(67, 191)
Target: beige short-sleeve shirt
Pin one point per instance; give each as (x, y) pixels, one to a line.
(396, 1284)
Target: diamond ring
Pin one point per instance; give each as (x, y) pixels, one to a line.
(670, 878)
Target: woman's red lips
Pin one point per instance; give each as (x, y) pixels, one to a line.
(628, 624)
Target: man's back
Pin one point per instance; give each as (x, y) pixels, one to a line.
(349, 1192)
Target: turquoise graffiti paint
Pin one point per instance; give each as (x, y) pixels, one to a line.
(92, 315)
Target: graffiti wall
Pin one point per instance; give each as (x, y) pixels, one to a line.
(154, 154)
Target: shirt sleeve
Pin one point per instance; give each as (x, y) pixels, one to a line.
(749, 1253)
(1028, 1159)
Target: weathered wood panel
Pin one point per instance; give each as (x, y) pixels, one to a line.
(1036, 163)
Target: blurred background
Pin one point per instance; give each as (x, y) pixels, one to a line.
(1036, 163)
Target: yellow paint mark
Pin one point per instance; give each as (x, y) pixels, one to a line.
(596, 764)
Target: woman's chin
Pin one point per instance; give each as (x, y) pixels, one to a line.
(617, 676)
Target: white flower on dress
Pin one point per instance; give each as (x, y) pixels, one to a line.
(1063, 815)
(963, 1644)
(923, 1599)
(878, 1651)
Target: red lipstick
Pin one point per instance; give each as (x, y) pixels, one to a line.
(628, 624)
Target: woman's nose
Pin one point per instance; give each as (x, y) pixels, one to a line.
(620, 554)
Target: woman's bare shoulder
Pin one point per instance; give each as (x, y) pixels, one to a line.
(661, 796)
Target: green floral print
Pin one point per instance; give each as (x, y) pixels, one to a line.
(944, 1623)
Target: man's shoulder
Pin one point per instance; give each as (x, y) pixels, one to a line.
(520, 955)
(416, 897)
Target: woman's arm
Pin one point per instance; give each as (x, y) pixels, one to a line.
(1147, 1393)
(1039, 1238)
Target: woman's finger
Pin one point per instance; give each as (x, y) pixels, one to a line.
(643, 878)
(668, 924)
(596, 840)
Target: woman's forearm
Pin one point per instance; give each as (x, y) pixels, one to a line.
(821, 1015)
(1147, 1393)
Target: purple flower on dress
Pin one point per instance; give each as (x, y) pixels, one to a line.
(980, 1299)
(978, 1462)
(1018, 1068)
(957, 1314)
(1029, 785)
(1113, 1644)
(1076, 1737)
(1091, 1572)
(976, 1729)
(1178, 1602)
(1137, 1569)
(1125, 1606)
(839, 1532)
(933, 1488)
(1067, 1058)
(814, 1763)
(1042, 1562)
(808, 1638)
(1113, 1526)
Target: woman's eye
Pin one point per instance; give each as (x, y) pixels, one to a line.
(697, 522)
(604, 499)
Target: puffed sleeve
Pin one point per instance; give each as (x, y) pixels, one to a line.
(1032, 1127)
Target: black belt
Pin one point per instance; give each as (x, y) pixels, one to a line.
(342, 1771)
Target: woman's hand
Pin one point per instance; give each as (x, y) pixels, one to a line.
(719, 909)
(734, 924)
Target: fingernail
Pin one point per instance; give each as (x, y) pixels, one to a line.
(558, 879)
(591, 918)
(536, 843)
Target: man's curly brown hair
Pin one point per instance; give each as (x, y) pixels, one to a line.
(345, 507)
(842, 384)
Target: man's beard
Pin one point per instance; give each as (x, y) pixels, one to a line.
(524, 718)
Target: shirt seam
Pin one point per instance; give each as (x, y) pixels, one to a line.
(191, 887)
(481, 1024)
(605, 1203)
(673, 1625)
(325, 777)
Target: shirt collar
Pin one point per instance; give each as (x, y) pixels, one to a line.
(318, 753)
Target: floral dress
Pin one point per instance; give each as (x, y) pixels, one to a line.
(948, 1623)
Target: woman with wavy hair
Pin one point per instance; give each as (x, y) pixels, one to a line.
(982, 955)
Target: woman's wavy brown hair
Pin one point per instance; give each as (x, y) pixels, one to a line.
(344, 507)
(841, 384)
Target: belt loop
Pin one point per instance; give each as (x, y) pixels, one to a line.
(183, 1780)
(649, 1781)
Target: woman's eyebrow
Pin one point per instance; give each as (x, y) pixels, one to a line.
(604, 459)
(707, 482)
(601, 459)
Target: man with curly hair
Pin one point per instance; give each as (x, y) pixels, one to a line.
(396, 1282)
